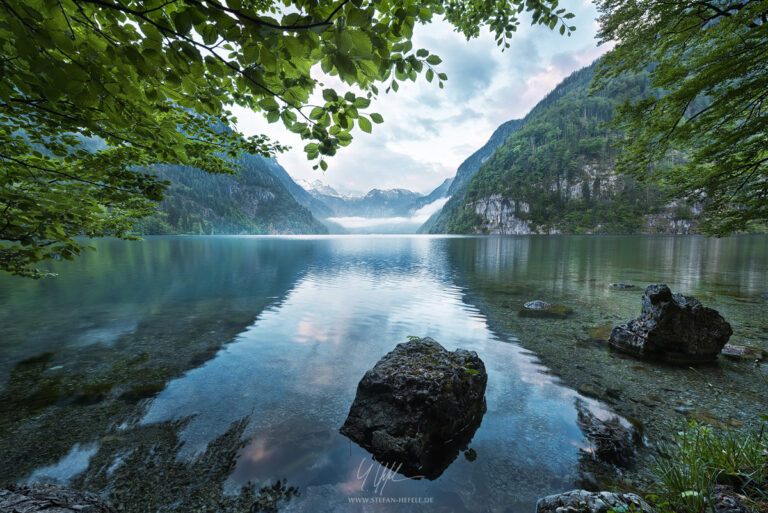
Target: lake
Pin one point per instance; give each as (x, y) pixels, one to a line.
(182, 373)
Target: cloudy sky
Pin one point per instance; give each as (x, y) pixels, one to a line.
(427, 131)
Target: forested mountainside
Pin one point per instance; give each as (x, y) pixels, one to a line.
(255, 202)
(555, 173)
(458, 187)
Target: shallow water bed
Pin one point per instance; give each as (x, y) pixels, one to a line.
(170, 373)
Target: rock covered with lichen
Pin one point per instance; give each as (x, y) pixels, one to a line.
(582, 501)
(672, 327)
(33, 498)
(418, 407)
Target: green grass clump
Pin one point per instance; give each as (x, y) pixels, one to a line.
(700, 458)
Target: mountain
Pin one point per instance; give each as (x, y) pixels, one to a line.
(458, 186)
(298, 192)
(378, 203)
(441, 191)
(260, 200)
(554, 173)
(318, 188)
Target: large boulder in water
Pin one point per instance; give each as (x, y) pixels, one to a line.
(418, 407)
(674, 328)
(49, 498)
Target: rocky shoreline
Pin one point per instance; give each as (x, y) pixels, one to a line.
(420, 406)
(657, 396)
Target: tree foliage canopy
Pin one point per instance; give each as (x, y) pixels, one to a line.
(154, 79)
(707, 114)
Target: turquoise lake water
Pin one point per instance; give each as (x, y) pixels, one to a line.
(169, 373)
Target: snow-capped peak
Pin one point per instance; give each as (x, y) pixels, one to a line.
(319, 187)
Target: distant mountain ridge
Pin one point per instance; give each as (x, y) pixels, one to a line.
(377, 203)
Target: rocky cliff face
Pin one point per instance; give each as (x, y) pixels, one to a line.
(501, 215)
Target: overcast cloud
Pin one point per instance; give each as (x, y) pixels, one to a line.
(427, 131)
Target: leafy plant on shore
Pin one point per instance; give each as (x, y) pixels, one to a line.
(699, 458)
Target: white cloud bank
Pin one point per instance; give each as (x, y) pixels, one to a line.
(390, 224)
(427, 131)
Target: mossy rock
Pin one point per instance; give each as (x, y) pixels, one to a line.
(601, 333)
(143, 391)
(550, 312)
(93, 393)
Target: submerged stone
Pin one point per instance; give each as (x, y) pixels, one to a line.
(743, 352)
(672, 327)
(621, 285)
(612, 440)
(602, 333)
(582, 501)
(35, 498)
(544, 310)
(418, 407)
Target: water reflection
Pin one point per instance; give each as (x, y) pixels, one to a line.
(177, 371)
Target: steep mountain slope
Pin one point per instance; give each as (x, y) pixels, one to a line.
(299, 193)
(458, 187)
(255, 202)
(555, 174)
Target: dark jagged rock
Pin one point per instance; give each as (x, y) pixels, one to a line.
(49, 498)
(728, 501)
(582, 501)
(621, 285)
(674, 328)
(764, 296)
(543, 310)
(612, 441)
(418, 407)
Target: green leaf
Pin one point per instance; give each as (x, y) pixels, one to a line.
(364, 124)
(269, 103)
(316, 113)
(330, 95)
(362, 103)
(434, 60)
(376, 117)
(361, 42)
